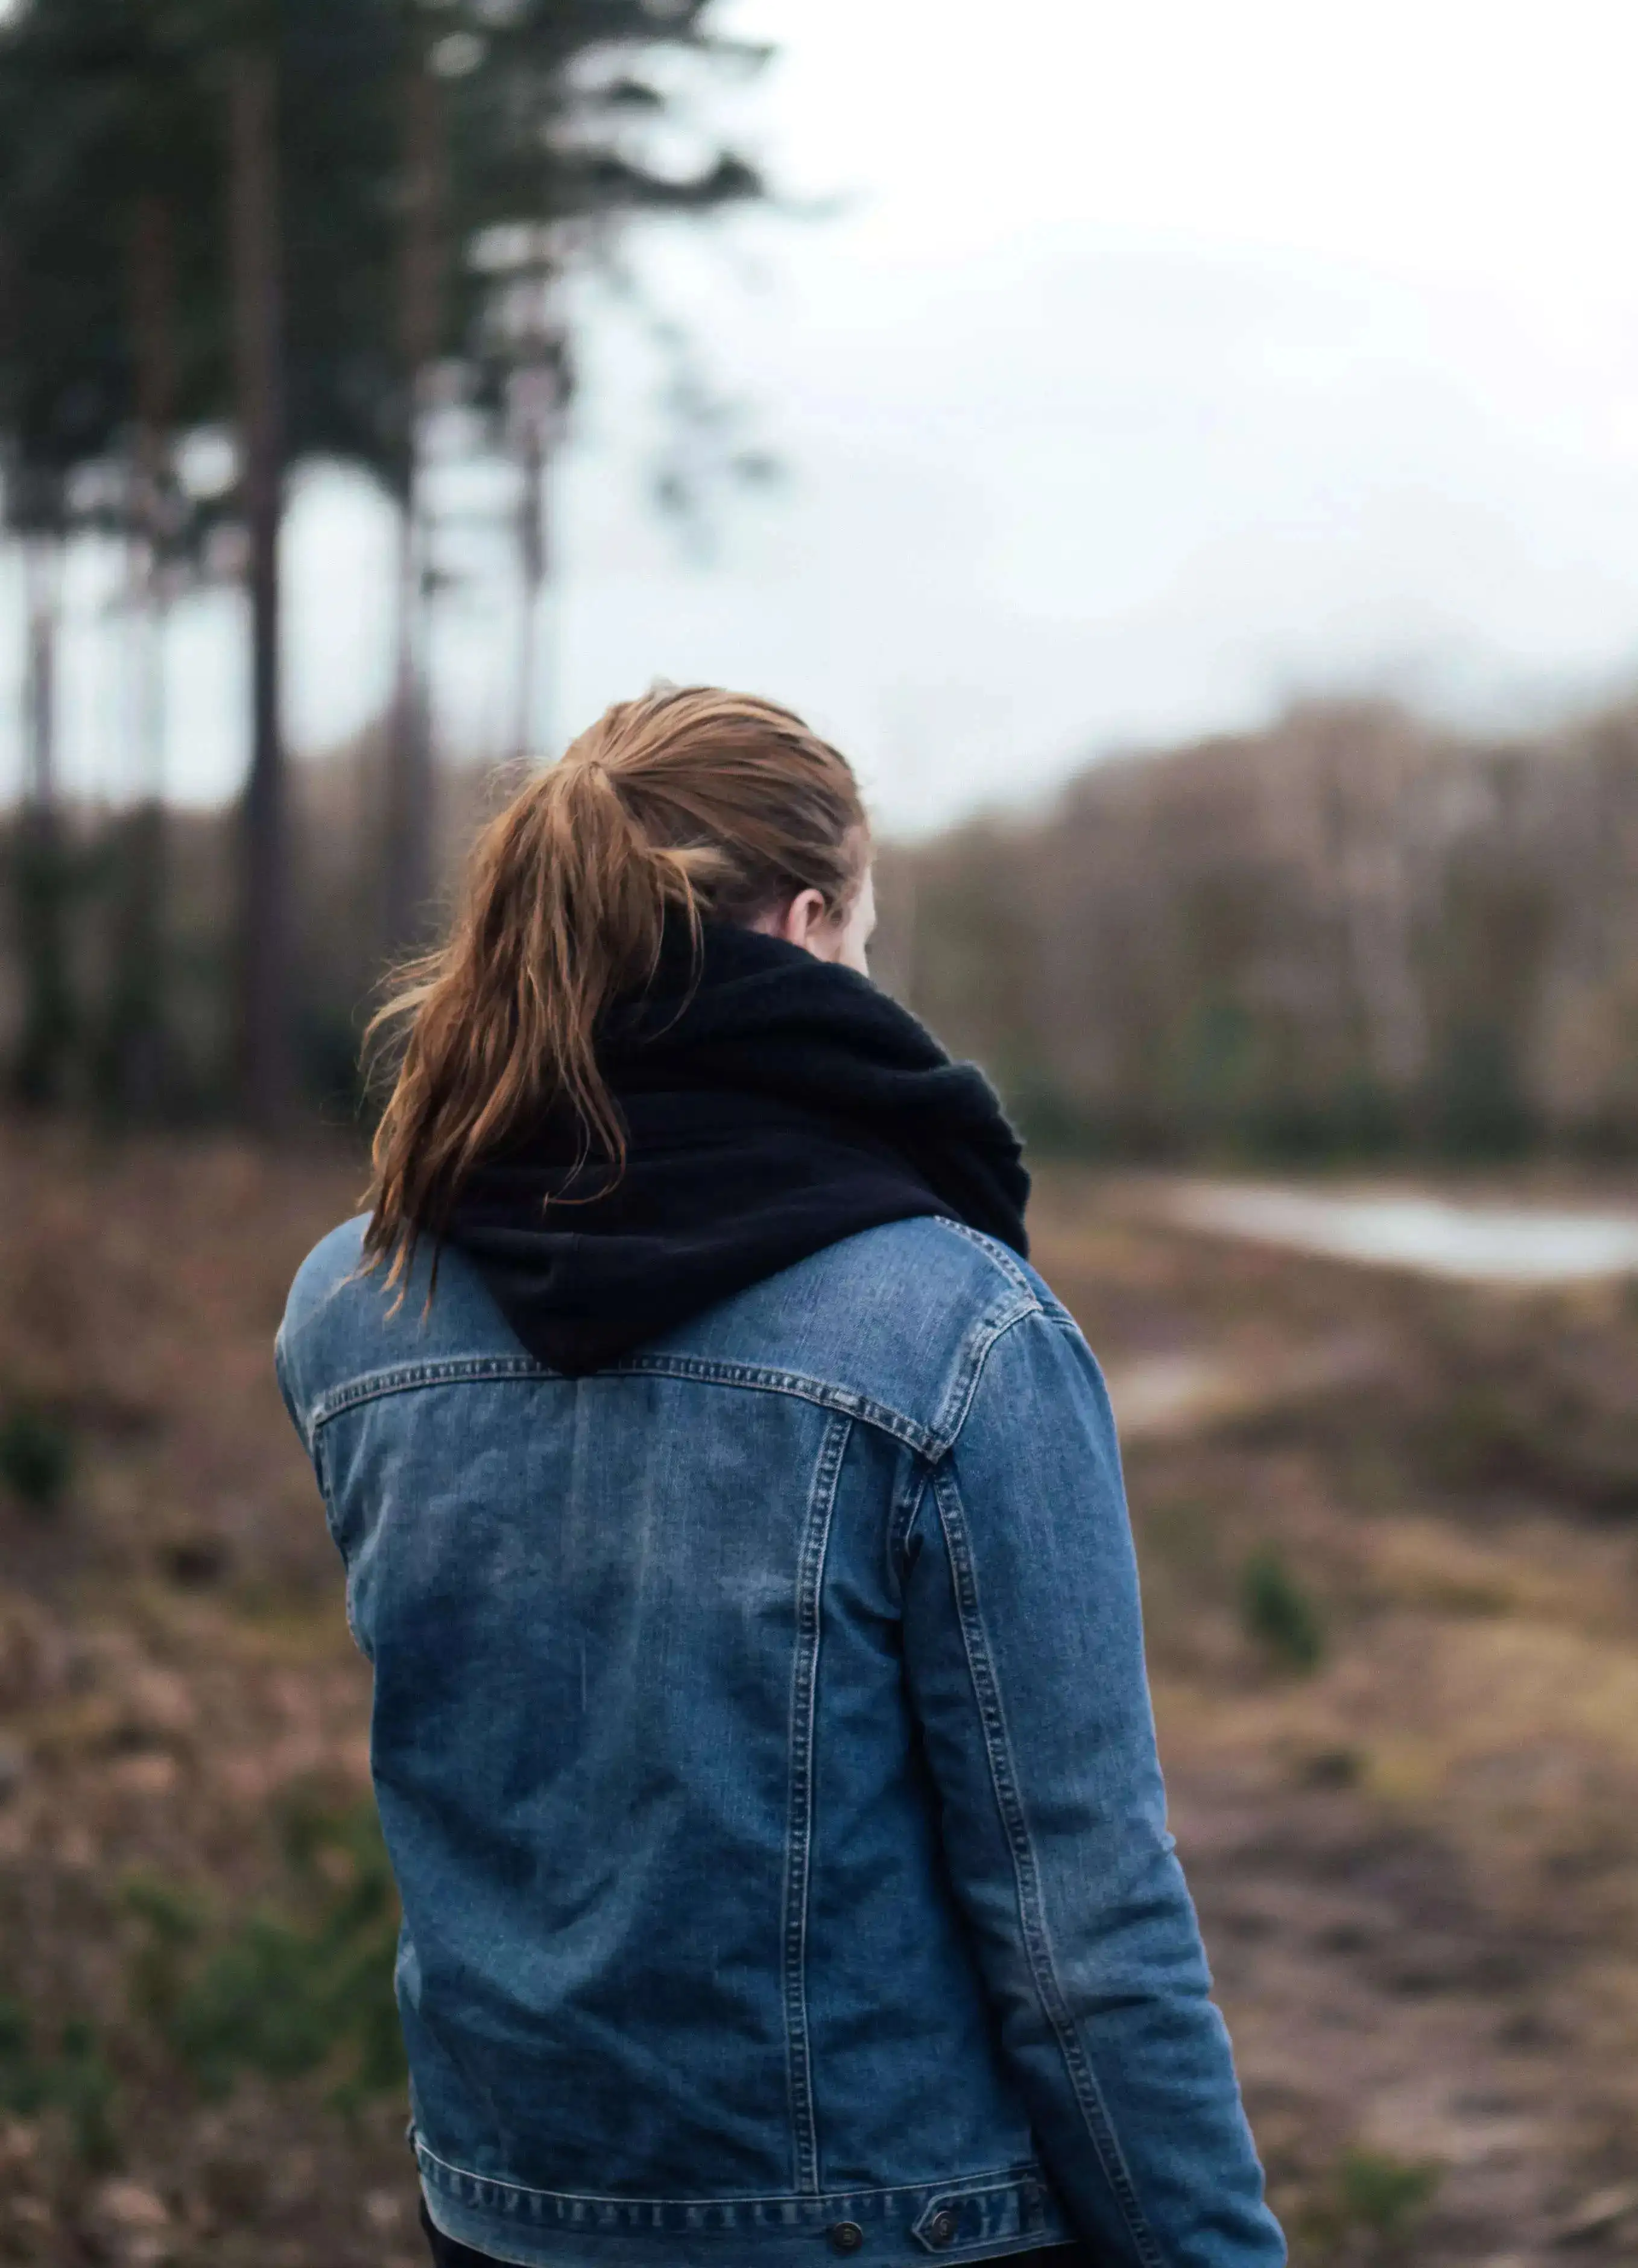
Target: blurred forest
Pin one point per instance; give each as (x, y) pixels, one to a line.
(238, 237)
(1349, 935)
(241, 236)
(338, 945)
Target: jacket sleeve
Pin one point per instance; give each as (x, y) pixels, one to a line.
(284, 1370)
(1023, 1653)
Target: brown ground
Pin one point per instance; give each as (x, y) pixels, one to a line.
(1417, 1856)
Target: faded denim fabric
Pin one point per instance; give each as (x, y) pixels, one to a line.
(763, 1746)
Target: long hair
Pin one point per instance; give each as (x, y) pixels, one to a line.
(690, 802)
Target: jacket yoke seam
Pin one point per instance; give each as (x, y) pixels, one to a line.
(799, 1838)
(1026, 1876)
(932, 1442)
(452, 1370)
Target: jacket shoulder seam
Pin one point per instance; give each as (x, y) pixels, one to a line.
(974, 1356)
(975, 1347)
(1001, 1255)
(290, 1334)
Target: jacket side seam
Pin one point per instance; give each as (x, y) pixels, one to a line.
(1026, 1876)
(407, 1378)
(804, 1717)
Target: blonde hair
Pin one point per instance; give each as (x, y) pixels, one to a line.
(691, 803)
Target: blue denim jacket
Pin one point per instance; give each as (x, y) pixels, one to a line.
(763, 1747)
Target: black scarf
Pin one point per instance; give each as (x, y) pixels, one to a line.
(771, 1106)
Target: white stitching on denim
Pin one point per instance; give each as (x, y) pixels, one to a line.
(975, 1354)
(843, 1398)
(1026, 1876)
(931, 1442)
(798, 1851)
(403, 1377)
(321, 1473)
(903, 1513)
(1025, 2193)
(1003, 1254)
(993, 2177)
(453, 1370)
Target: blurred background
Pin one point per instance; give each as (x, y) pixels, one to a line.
(1189, 458)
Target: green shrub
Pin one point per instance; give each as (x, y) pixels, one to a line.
(73, 2078)
(36, 1457)
(286, 1991)
(1366, 2210)
(1278, 1614)
(1382, 2193)
(22, 2077)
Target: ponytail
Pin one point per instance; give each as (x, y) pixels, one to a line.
(687, 804)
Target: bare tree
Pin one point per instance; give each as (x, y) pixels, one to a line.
(133, 1069)
(410, 776)
(265, 1037)
(42, 851)
(537, 399)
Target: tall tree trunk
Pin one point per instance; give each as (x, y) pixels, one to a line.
(539, 391)
(47, 1039)
(409, 770)
(531, 566)
(135, 1049)
(265, 1060)
(42, 566)
(407, 879)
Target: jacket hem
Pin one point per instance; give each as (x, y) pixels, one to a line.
(969, 2216)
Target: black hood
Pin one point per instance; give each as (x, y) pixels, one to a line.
(774, 1104)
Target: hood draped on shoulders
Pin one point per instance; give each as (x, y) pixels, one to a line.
(774, 1104)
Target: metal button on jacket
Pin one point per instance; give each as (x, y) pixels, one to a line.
(942, 2227)
(847, 2236)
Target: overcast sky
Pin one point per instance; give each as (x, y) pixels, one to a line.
(1161, 362)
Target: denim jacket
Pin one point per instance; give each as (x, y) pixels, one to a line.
(763, 1747)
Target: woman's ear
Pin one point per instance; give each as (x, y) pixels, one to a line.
(804, 922)
(810, 923)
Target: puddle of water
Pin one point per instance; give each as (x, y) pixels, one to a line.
(1163, 1393)
(1473, 1243)
(1167, 1394)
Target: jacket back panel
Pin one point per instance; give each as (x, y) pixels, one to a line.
(676, 1918)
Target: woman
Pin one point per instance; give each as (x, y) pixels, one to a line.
(734, 1523)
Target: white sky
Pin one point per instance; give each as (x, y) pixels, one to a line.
(1163, 361)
